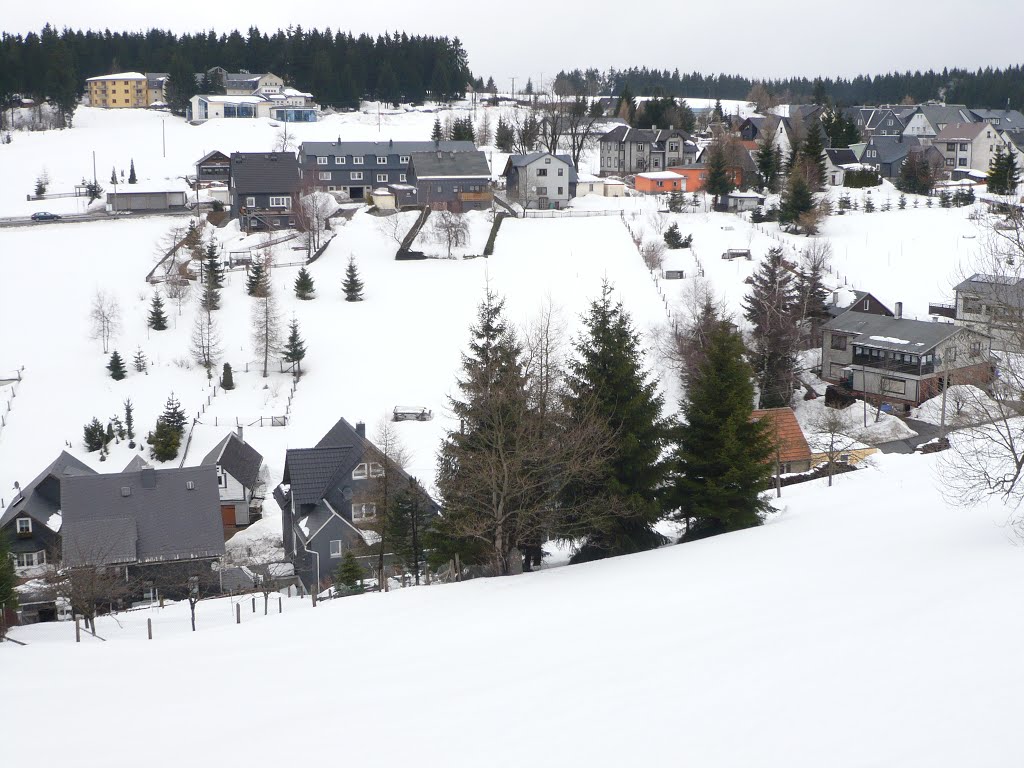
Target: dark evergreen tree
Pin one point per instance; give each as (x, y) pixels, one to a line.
(626, 106)
(227, 379)
(352, 285)
(132, 178)
(607, 381)
(213, 270)
(294, 348)
(772, 309)
(108, 435)
(717, 115)
(1003, 176)
(129, 422)
(504, 136)
(93, 435)
(408, 522)
(113, 177)
(258, 282)
(387, 85)
(722, 460)
(676, 203)
(718, 183)
(174, 414)
(766, 159)
(116, 366)
(797, 199)
(812, 152)
(164, 441)
(181, 84)
(812, 301)
(157, 318)
(819, 97)
(673, 238)
(437, 134)
(304, 289)
(869, 203)
(902, 203)
(8, 582)
(348, 578)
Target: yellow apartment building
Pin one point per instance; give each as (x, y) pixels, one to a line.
(121, 91)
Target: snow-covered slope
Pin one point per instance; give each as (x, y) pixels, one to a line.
(866, 625)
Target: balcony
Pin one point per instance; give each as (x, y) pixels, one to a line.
(879, 365)
(475, 197)
(942, 310)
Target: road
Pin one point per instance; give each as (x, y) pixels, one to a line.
(925, 432)
(26, 221)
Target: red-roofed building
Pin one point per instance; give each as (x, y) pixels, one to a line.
(792, 452)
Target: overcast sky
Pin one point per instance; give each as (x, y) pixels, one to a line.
(534, 38)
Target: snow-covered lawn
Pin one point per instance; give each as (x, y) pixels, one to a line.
(866, 624)
(867, 425)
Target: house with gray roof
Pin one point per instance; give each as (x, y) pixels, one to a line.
(836, 161)
(161, 527)
(887, 153)
(540, 180)
(328, 500)
(351, 168)
(453, 181)
(968, 146)
(992, 304)
(1003, 120)
(625, 150)
(264, 188)
(877, 121)
(241, 489)
(901, 361)
(926, 120)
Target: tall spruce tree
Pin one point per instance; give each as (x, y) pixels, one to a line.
(812, 152)
(718, 182)
(771, 308)
(8, 581)
(766, 160)
(1003, 176)
(132, 178)
(722, 460)
(437, 134)
(129, 422)
(304, 289)
(408, 522)
(157, 319)
(504, 136)
(164, 441)
(352, 285)
(258, 282)
(116, 366)
(294, 350)
(797, 199)
(812, 300)
(227, 379)
(174, 414)
(607, 381)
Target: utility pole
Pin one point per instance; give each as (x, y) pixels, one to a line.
(513, 92)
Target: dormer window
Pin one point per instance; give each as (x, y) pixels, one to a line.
(24, 526)
(222, 477)
(381, 160)
(360, 472)
(376, 469)
(403, 159)
(321, 160)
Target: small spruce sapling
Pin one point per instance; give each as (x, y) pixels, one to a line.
(113, 177)
(352, 285)
(157, 319)
(902, 202)
(116, 367)
(294, 347)
(304, 289)
(673, 239)
(139, 362)
(129, 423)
(132, 178)
(227, 380)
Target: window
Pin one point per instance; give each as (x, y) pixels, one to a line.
(222, 477)
(962, 162)
(547, 161)
(951, 146)
(542, 171)
(673, 146)
(339, 160)
(951, 354)
(281, 202)
(357, 175)
(975, 348)
(250, 202)
(381, 160)
(949, 162)
(838, 342)
(971, 306)
(561, 171)
(148, 591)
(963, 147)
(639, 147)
(325, 175)
(360, 472)
(336, 548)
(24, 526)
(844, 458)
(401, 177)
(403, 159)
(364, 511)
(321, 160)
(894, 386)
(382, 177)
(542, 190)
(867, 304)
(357, 160)
(376, 469)
(561, 190)
(30, 559)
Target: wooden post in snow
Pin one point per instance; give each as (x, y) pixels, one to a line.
(238, 613)
(149, 628)
(279, 609)
(78, 631)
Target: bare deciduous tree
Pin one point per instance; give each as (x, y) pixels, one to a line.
(266, 329)
(384, 469)
(830, 437)
(311, 216)
(206, 341)
(653, 253)
(105, 315)
(178, 289)
(449, 229)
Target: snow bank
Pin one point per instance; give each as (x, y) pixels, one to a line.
(881, 427)
(965, 404)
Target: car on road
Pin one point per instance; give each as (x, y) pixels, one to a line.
(44, 216)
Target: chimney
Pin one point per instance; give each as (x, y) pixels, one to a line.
(671, 127)
(899, 310)
(361, 429)
(654, 127)
(148, 476)
(240, 435)
(835, 298)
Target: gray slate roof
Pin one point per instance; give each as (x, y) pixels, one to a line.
(645, 135)
(942, 114)
(891, 148)
(1003, 119)
(309, 471)
(434, 165)
(237, 458)
(841, 156)
(137, 464)
(159, 520)
(383, 147)
(273, 172)
(1000, 289)
(41, 498)
(898, 335)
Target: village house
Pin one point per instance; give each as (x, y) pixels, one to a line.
(792, 453)
(453, 181)
(123, 90)
(239, 482)
(837, 162)
(328, 500)
(848, 300)
(886, 154)
(657, 182)
(924, 122)
(992, 305)
(264, 186)
(968, 146)
(899, 361)
(540, 180)
(625, 150)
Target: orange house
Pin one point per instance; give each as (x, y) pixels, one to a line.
(695, 175)
(656, 182)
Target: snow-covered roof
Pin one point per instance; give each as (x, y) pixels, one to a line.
(659, 175)
(150, 185)
(588, 178)
(118, 76)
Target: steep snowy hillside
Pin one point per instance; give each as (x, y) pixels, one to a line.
(866, 625)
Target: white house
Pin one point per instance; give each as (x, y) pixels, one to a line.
(968, 146)
(540, 180)
(239, 467)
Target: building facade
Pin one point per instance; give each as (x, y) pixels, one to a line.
(125, 90)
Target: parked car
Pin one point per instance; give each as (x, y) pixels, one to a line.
(44, 216)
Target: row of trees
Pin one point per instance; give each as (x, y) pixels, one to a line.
(556, 125)
(576, 446)
(336, 66)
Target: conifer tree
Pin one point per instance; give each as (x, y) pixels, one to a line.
(349, 576)
(718, 182)
(717, 115)
(352, 285)
(673, 238)
(174, 415)
(256, 283)
(812, 298)
(676, 203)
(304, 289)
(129, 422)
(116, 366)
(294, 347)
(8, 581)
(139, 362)
(812, 152)
(437, 134)
(212, 280)
(1003, 175)
(766, 160)
(113, 177)
(227, 379)
(722, 460)
(132, 178)
(797, 199)
(771, 308)
(157, 318)
(108, 434)
(164, 441)
(504, 136)
(93, 435)
(607, 379)
(869, 203)
(902, 202)
(407, 523)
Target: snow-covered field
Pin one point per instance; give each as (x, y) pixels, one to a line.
(869, 624)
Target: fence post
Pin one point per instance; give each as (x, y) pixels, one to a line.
(313, 595)
(149, 628)
(238, 613)
(78, 631)
(279, 609)
(254, 604)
